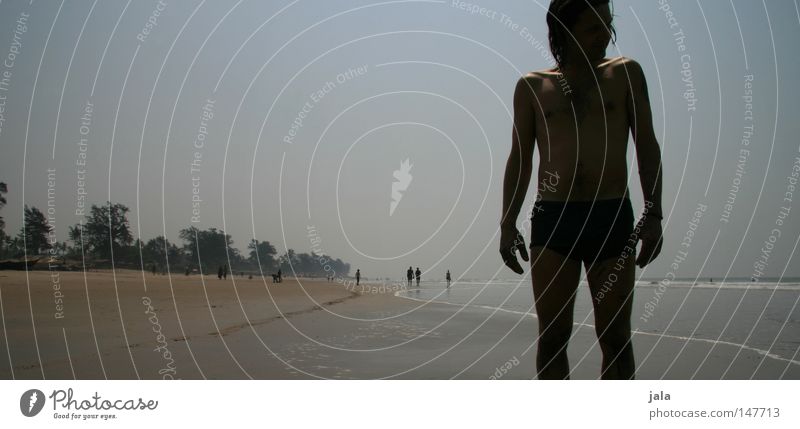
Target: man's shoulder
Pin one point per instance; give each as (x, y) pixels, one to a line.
(620, 60)
(613, 63)
(623, 65)
(540, 74)
(532, 81)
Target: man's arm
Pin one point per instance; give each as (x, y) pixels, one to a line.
(648, 156)
(520, 161)
(648, 153)
(518, 174)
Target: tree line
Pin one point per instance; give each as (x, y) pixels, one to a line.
(104, 237)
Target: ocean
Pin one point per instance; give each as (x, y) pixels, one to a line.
(763, 317)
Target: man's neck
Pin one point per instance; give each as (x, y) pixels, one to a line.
(579, 66)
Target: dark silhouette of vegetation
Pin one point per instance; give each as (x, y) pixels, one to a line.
(80, 245)
(106, 231)
(208, 248)
(3, 192)
(34, 235)
(262, 254)
(105, 237)
(3, 237)
(313, 265)
(159, 253)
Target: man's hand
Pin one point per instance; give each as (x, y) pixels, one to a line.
(651, 238)
(511, 241)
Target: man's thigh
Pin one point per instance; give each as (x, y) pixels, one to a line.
(611, 283)
(555, 281)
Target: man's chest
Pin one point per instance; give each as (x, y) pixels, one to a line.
(578, 102)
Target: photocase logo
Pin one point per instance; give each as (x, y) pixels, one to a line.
(31, 402)
(403, 179)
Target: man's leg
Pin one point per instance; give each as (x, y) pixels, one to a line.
(611, 283)
(555, 280)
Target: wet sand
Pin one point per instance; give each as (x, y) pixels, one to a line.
(131, 325)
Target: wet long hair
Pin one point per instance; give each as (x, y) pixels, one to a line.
(561, 17)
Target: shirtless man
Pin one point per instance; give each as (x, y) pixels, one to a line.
(580, 120)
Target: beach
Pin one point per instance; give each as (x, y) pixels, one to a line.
(126, 324)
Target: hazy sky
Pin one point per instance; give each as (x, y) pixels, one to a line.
(377, 83)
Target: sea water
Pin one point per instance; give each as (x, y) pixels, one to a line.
(760, 316)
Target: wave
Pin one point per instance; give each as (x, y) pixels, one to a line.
(735, 285)
(724, 285)
(766, 353)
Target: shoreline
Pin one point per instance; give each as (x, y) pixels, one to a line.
(191, 328)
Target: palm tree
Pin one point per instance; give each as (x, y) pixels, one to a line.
(3, 190)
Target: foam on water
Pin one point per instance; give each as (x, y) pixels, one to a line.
(434, 291)
(652, 284)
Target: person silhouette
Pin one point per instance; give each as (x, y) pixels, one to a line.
(418, 273)
(447, 277)
(219, 272)
(358, 277)
(410, 275)
(580, 112)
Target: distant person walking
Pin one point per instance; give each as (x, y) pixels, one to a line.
(448, 278)
(358, 277)
(419, 274)
(219, 272)
(410, 276)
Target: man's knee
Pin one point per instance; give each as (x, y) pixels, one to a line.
(615, 340)
(554, 337)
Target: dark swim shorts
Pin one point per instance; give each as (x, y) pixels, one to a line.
(586, 231)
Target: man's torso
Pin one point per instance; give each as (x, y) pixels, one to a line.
(582, 128)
